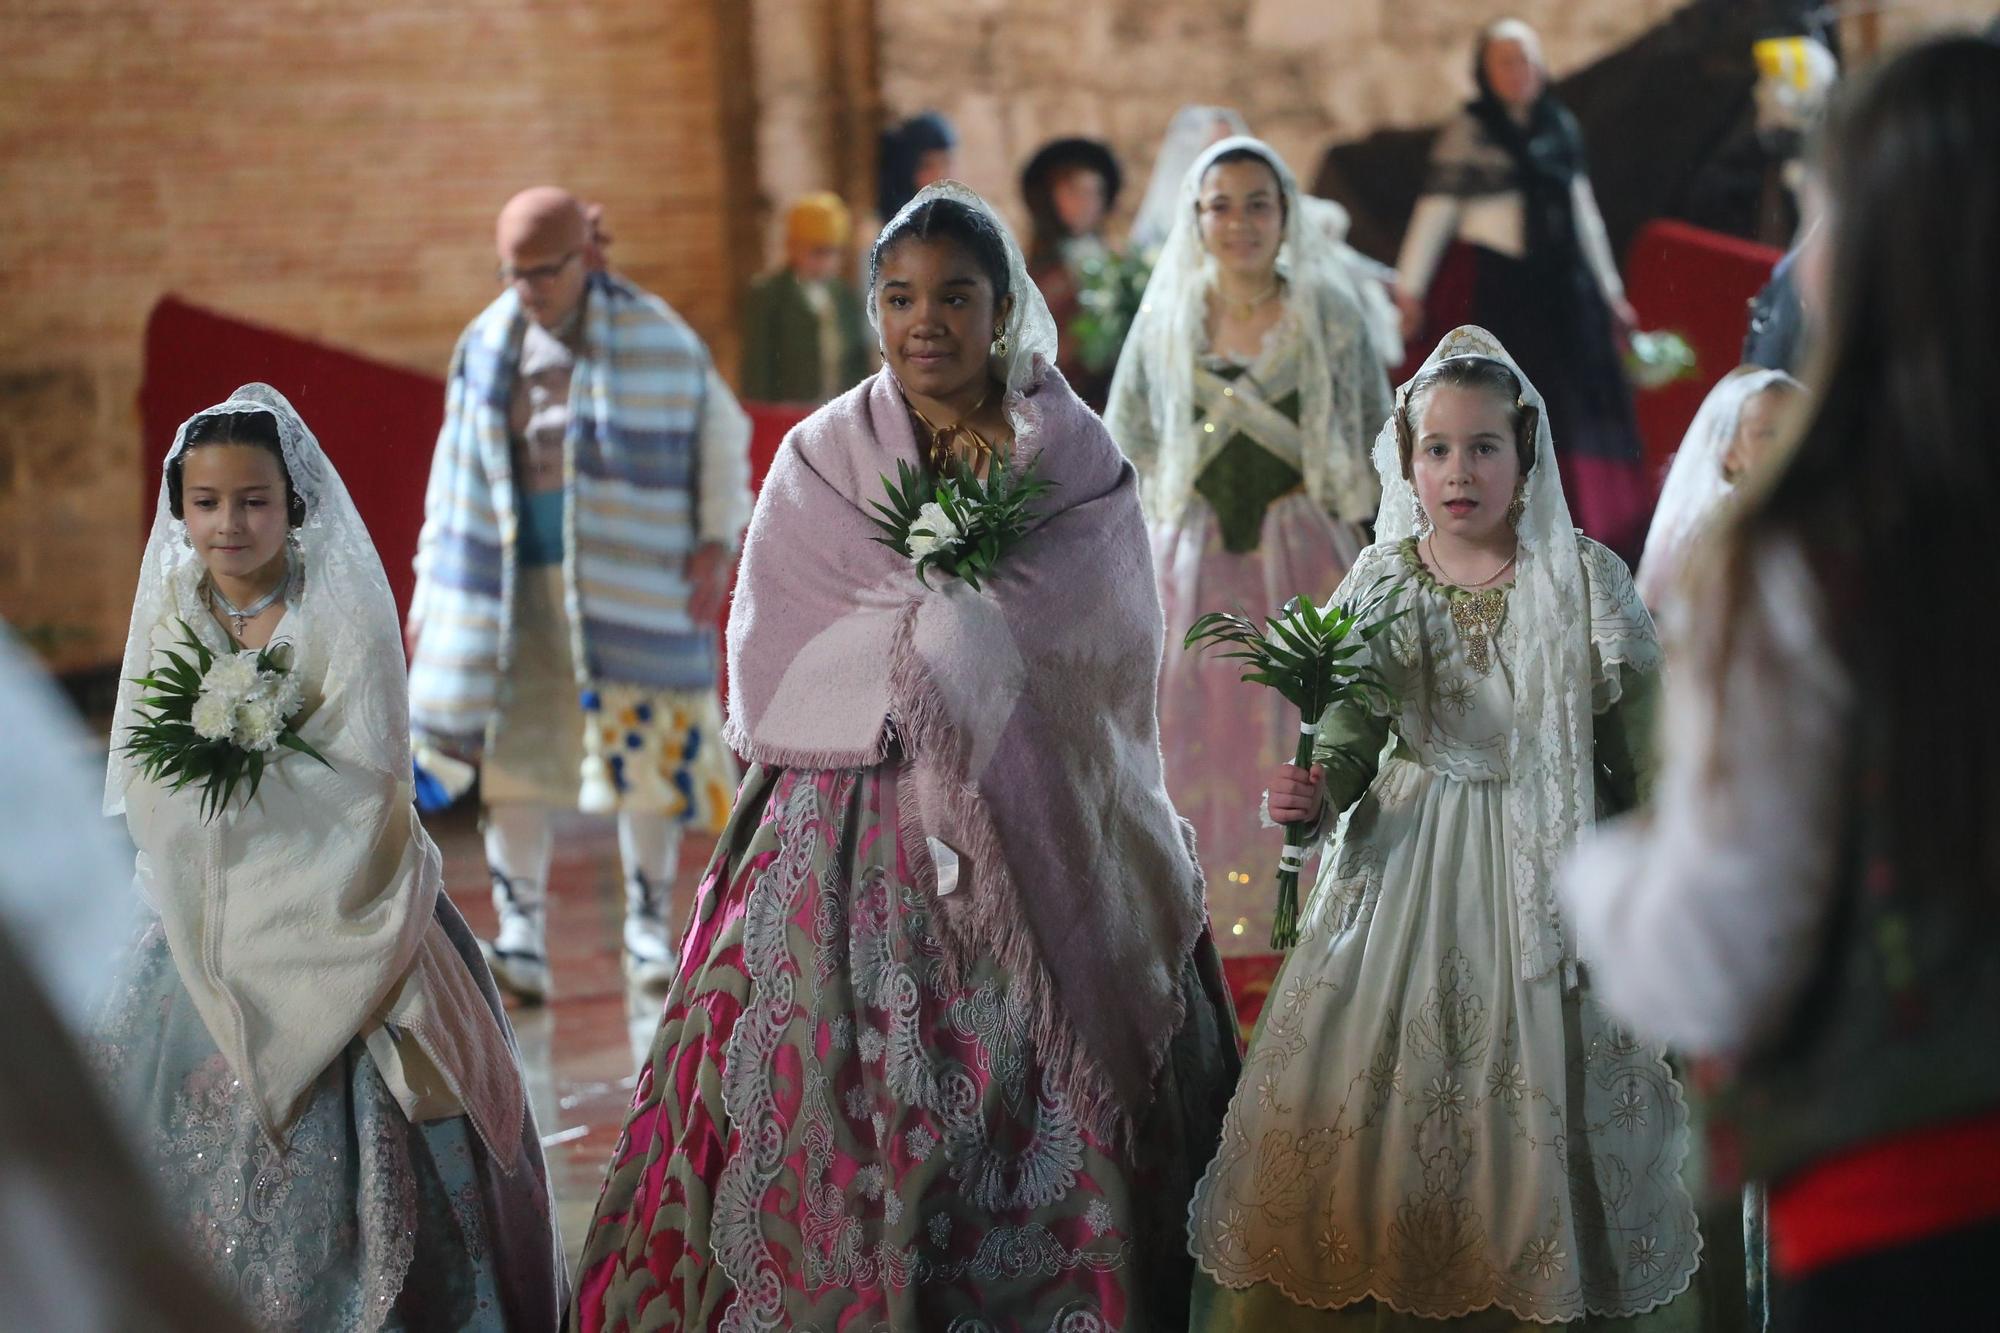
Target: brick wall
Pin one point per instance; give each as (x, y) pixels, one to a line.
(1305, 73)
(816, 106)
(329, 169)
(333, 169)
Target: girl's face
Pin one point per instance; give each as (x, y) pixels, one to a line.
(1078, 197)
(1464, 465)
(233, 501)
(1511, 72)
(1759, 425)
(1241, 210)
(938, 317)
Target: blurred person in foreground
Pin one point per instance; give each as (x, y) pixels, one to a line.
(1810, 902)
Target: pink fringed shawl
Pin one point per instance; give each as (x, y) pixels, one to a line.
(1025, 713)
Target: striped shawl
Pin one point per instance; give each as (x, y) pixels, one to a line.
(631, 456)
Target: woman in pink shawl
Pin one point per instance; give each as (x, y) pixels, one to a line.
(950, 1039)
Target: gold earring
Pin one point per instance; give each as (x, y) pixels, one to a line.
(1000, 344)
(1419, 516)
(1517, 506)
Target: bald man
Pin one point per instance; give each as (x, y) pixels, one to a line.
(589, 492)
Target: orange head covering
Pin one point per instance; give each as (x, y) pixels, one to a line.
(817, 220)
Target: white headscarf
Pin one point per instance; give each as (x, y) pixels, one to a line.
(301, 919)
(1171, 329)
(1561, 659)
(1030, 328)
(1695, 486)
(343, 576)
(1188, 136)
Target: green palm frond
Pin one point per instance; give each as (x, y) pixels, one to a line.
(1314, 658)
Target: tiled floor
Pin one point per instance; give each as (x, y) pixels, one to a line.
(582, 1049)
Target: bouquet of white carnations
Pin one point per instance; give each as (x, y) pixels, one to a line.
(215, 719)
(959, 524)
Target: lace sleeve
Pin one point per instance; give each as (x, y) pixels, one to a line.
(1129, 414)
(1622, 638)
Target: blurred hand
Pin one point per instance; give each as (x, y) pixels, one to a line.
(1626, 318)
(1296, 794)
(708, 582)
(1412, 309)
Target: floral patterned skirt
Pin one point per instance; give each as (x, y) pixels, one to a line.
(362, 1221)
(830, 1134)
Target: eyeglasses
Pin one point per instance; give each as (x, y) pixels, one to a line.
(536, 276)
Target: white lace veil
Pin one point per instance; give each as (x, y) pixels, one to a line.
(1030, 328)
(297, 956)
(1171, 329)
(1551, 790)
(342, 580)
(1189, 134)
(1695, 485)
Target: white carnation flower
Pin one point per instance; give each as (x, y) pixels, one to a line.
(232, 678)
(932, 519)
(933, 532)
(214, 717)
(282, 690)
(257, 725)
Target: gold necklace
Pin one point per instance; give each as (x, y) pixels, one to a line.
(1245, 309)
(1439, 565)
(943, 448)
(1476, 612)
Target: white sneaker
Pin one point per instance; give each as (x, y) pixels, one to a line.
(519, 951)
(650, 960)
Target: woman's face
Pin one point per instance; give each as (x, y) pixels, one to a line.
(1079, 197)
(233, 501)
(1464, 465)
(938, 317)
(1760, 425)
(1241, 210)
(1511, 72)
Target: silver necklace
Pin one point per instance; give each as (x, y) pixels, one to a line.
(240, 616)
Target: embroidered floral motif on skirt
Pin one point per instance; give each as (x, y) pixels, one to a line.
(830, 1133)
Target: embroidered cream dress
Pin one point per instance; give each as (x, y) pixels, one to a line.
(1418, 1122)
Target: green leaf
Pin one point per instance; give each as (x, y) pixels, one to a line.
(291, 740)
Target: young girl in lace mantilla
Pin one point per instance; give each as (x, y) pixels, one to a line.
(1436, 1120)
(304, 1036)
